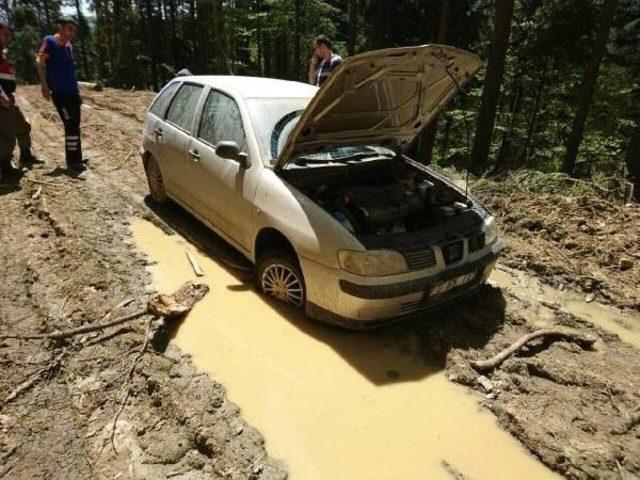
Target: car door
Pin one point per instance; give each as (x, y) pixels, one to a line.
(153, 139)
(223, 188)
(176, 134)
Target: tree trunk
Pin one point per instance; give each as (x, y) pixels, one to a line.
(493, 82)
(428, 137)
(587, 88)
(633, 161)
(178, 61)
(353, 27)
(83, 35)
(297, 25)
(542, 83)
(152, 52)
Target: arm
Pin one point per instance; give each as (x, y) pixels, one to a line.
(41, 64)
(4, 99)
(313, 70)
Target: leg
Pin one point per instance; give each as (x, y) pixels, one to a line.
(23, 135)
(7, 142)
(68, 107)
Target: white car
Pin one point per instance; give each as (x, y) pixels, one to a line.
(313, 186)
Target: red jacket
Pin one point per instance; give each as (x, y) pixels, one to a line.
(7, 77)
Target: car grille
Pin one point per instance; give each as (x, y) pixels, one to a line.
(452, 251)
(476, 242)
(420, 259)
(411, 307)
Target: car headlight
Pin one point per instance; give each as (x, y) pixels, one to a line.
(373, 263)
(490, 230)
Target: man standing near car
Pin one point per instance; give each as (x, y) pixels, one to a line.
(323, 61)
(59, 83)
(13, 125)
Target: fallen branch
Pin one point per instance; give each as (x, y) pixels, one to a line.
(79, 330)
(585, 342)
(166, 306)
(35, 378)
(43, 182)
(127, 380)
(119, 165)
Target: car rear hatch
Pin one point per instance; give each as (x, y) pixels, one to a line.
(384, 97)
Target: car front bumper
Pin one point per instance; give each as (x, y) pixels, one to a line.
(337, 297)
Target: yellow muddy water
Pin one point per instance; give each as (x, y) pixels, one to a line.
(529, 289)
(331, 404)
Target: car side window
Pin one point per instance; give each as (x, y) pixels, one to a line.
(162, 101)
(221, 120)
(183, 106)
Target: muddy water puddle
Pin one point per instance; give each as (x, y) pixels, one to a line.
(532, 291)
(332, 404)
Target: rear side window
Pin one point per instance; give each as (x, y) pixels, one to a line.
(183, 106)
(162, 101)
(221, 120)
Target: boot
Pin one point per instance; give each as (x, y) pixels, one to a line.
(28, 158)
(8, 171)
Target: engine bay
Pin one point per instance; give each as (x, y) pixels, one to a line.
(389, 202)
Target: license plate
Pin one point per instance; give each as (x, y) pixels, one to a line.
(452, 283)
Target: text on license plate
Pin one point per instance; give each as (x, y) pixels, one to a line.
(452, 283)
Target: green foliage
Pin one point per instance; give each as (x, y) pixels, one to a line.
(142, 43)
(26, 41)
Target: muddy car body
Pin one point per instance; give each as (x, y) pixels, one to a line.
(314, 186)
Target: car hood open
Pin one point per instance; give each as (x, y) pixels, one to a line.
(384, 97)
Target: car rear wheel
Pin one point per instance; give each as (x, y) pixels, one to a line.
(279, 276)
(155, 181)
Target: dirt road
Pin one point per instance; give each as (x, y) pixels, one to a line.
(68, 258)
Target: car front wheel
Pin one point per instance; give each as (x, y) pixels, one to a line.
(279, 276)
(155, 181)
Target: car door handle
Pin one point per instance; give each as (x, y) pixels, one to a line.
(194, 154)
(158, 131)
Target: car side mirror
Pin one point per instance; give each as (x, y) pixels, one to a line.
(230, 150)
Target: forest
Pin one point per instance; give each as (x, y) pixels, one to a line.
(560, 91)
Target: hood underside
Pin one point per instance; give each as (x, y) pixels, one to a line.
(385, 97)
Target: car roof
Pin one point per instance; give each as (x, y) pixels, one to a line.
(255, 87)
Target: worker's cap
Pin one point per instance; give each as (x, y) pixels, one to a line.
(4, 24)
(67, 20)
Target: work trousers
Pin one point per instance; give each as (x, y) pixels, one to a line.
(13, 126)
(68, 106)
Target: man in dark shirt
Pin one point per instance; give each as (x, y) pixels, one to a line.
(13, 125)
(323, 61)
(58, 82)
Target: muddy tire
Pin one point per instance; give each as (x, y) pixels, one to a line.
(155, 181)
(278, 275)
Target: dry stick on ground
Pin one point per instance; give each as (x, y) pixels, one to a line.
(79, 330)
(167, 306)
(119, 166)
(127, 380)
(31, 381)
(585, 341)
(43, 182)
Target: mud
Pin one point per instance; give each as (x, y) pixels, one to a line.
(327, 400)
(64, 262)
(68, 257)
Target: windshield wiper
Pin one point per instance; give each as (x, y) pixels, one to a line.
(342, 160)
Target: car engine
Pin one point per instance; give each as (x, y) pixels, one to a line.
(397, 207)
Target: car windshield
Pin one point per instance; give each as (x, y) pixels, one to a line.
(273, 120)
